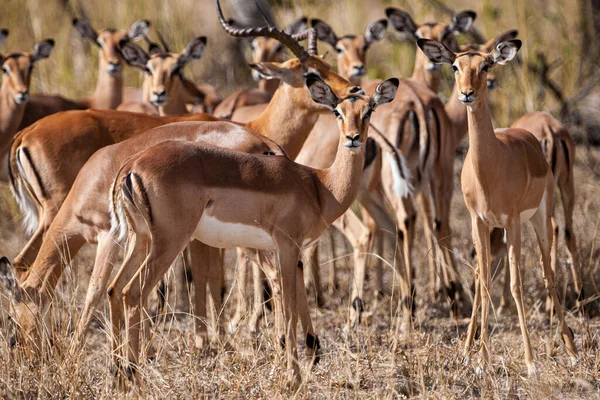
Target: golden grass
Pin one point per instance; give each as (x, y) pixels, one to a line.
(356, 363)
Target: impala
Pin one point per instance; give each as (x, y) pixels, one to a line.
(233, 199)
(14, 93)
(165, 86)
(505, 181)
(109, 87)
(264, 49)
(50, 186)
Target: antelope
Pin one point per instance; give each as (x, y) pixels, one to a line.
(290, 99)
(164, 84)
(109, 87)
(559, 150)
(264, 49)
(237, 203)
(14, 92)
(494, 201)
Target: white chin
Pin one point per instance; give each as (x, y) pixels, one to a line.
(353, 146)
(19, 101)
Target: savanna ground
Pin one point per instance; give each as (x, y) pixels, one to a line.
(357, 362)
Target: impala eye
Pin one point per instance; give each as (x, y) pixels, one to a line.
(368, 113)
(5, 69)
(339, 50)
(485, 68)
(454, 68)
(337, 113)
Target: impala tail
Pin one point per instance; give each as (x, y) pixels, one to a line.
(400, 172)
(129, 205)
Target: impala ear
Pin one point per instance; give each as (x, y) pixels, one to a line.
(462, 21)
(324, 32)
(321, 92)
(134, 55)
(138, 29)
(436, 52)
(193, 51)
(503, 37)
(384, 92)
(85, 30)
(505, 51)
(268, 70)
(8, 279)
(376, 31)
(297, 26)
(3, 36)
(42, 50)
(401, 21)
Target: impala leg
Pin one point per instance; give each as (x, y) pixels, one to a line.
(241, 309)
(313, 347)
(567, 193)
(542, 223)
(260, 284)
(513, 243)
(481, 238)
(136, 252)
(434, 278)
(472, 329)
(312, 255)
(216, 286)
(200, 271)
(332, 256)
(27, 255)
(107, 255)
(288, 264)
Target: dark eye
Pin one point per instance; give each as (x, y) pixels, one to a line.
(336, 113)
(339, 50)
(368, 113)
(454, 68)
(485, 68)
(5, 69)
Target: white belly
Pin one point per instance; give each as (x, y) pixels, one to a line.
(220, 234)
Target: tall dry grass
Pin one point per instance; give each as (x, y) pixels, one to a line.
(358, 363)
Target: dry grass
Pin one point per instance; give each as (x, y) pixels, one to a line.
(357, 363)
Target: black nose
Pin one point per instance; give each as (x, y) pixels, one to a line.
(160, 94)
(24, 92)
(468, 92)
(353, 138)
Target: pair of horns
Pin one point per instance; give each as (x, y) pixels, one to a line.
(290, 41)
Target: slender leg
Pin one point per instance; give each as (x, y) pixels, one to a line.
(542, 224)
(513, 243)
(27, 255)
(435, 284)
(259, 282)
(312, 256)
(567, 193)
(216, 287)
(332, 256)
(198, 258)
(241, 310)
(107, 255)
(313, 346)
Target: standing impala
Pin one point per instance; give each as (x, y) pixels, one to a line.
(14, 93)
(505, 182)
(233, 199)
(109, 87)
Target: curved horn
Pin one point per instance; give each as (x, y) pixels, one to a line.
(311, 35)
(286, 39)
(163, 42)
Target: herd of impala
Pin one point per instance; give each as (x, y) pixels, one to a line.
(143, 171)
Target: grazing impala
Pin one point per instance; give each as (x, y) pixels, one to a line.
(109, 87)
(495, 200)
(233, 199)
(14, 93)
(165, 86)
(263, 50)
(51, 185)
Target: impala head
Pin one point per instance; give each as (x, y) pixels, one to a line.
(353, 112)
(471, 67)
(17, 68)
(443, 33)
(163, 69)
(487, 47)
(266, 49)
(351, 49)
(109, 41)
(296, 71)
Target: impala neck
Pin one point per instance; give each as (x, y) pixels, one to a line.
(287, 121)
(109, 88)
(457, 114)
(11, 115)
(483, 144)
(429, 78)
(177, 100)
(268, 85)
(341, 182)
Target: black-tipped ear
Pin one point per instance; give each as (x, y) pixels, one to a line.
(436, 51)
(401, 21)
(3, 36)
(506, 51)
(138, 29)
(42, 50)
(462, 21)
(376, 31)
(324, 32)
(384, 93)
(503, 37)
(193, 51)
(321, 92)
(85, 30)
(297, 26)
(134, 55)
(265, 70)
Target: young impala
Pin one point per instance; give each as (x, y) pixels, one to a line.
(232, 199)
(505, 182)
